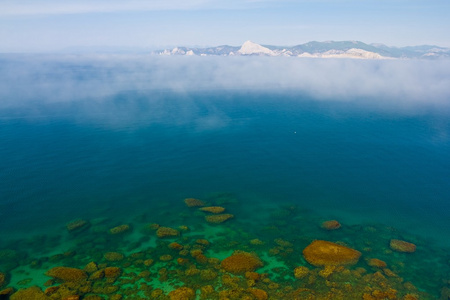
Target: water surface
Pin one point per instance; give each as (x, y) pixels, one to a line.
(275, 159)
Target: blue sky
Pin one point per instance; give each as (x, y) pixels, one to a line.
(52, 25)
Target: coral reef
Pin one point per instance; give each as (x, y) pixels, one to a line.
(322, 253)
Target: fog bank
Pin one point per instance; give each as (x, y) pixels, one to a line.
(26, 79)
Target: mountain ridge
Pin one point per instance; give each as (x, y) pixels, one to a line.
(315, 49)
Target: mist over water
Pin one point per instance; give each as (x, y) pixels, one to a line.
(400, 84)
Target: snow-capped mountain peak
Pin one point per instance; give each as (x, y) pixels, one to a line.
(330, 49)
(249, 48)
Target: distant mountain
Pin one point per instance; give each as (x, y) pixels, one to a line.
(329, 49)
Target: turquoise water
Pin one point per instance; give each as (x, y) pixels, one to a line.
(279, 160)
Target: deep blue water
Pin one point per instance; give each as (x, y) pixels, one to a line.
(341, 159)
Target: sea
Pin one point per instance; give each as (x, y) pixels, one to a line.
(98, 156)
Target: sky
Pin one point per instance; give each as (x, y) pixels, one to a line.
(54, 25)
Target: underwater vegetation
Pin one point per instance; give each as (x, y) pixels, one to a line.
(221, 248)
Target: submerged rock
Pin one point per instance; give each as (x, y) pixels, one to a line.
(91, 297)
(148, 262)
(402, 246)
(331, 225)
(113, 256)
(213, 209)
(203, 242)
(152, 226)
(31, 293)
(183, 228)
(97, 275)
(167, 232)
(91, 267)
(120, 229)
(67, 274)
(184, 293)
(2, 279)
(241, 262)
(76, 297)
(175, 246)
(258, 293)
(112, 272)
(323, 253)
(77, 225)
(6, 292)
(256, 242)
(165, 257)
(252, 276)
(301, 272)
(192, 202)
(377, 263)
(217, 219)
